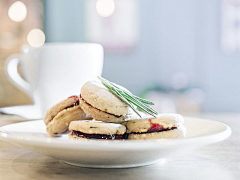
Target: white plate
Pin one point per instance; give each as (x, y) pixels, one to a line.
(113, 154)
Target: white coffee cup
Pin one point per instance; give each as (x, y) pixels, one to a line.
(55, 71)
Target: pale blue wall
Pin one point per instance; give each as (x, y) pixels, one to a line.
(176, 36)
(219, 73)
(64, 20)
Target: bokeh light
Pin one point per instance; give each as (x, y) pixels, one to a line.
(197, 95)
(179, 81)
(17, 11)
(36, 38)
(105, 8)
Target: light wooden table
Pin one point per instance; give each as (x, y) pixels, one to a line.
(220, 161)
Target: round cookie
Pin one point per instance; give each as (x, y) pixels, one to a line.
(180, 132)
(58, 118)
(167, 126)
(97, 127)
(100, 115)
(85, 129)
(162, 121)
(53, 111)
(101, 104)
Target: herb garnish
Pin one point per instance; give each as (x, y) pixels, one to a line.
(131, 100)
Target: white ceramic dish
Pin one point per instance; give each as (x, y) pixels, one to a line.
(113, 154)
(28, 112)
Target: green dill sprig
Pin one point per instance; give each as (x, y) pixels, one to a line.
(134, 102)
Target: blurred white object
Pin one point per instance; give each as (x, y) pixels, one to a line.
(36, 37)
(179, 81)
(163, 103)
(17, 11)
(54, 72)
(230, 25)
(26, 111)
(197, 95)
(105, 8)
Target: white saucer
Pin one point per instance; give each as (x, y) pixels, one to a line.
(29, 112)
(113, 154)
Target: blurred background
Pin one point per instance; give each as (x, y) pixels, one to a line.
(183, 55)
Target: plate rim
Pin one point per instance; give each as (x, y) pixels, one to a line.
(211, 138)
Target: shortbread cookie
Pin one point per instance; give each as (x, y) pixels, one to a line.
(53, 111)
(100, 115)
(162, 121)
(58, 118)
(87, 129)
(163, 126)
(99, 103)
(179, 132)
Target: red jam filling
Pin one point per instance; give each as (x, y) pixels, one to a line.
(155, 127)
(76, 98)
(73, 97)
(98, 136)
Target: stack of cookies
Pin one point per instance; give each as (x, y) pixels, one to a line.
(98, 114)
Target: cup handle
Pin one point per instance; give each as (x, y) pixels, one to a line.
(14, 76)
